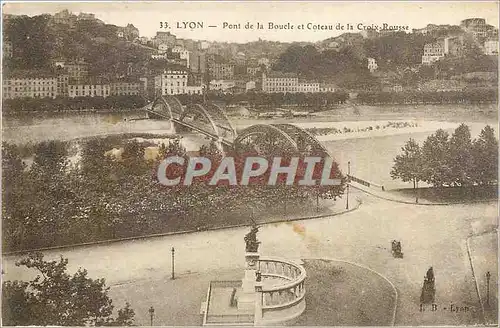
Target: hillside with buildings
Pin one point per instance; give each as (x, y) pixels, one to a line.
(79, 56)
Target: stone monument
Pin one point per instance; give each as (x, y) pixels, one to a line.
(246, 300)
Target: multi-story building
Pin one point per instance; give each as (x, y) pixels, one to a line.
(7, 49)
(240, 58)
(62, 85)
(279, 82)
(253, 70)
(129, 32)
(250, 85)
(432, 53)
(264, 61)
(89, 88)
(197, 62)
(273, 82)
(172, 82)
(125, 88)
(203, 45)
(307, 87)
(221, 71)
(222, 85)
(372, 64)
(452, 46)
(183, 53)
(64, 17)
(190, 45)
(475, 26)
(491, 47)
(194, 90)
(86, 16)
(30, 87)
(77, 71)
(166, 37)
(327, 87)
(159, 56)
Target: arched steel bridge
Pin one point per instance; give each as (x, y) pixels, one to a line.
(211, 121)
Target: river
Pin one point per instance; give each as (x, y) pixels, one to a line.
(371, 153)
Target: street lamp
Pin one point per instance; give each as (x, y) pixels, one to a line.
(488, 276)
(151, 314)
(173, 263)
(348, 180)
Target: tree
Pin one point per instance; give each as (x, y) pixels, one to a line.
(408, 165)
(435, 163)
(174, 148)
(12, 165)
(133, 158)
(55, 297)
(485, 157)
(460, 156)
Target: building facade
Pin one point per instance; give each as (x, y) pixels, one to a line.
(308, 87)
(222, 85)
(221, 71)
(175, 82)
(62, 85)
(475, 26)
(491, 47)
(30, 87)
(197, 62)
(125, 88)
(279, 82)
(165, 37)
(372, 65)
(89, 89)
(432, 53)
(77, 71)
(7, 49)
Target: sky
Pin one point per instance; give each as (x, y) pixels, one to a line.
(149, 16)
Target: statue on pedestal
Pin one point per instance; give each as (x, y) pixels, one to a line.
(252, 245)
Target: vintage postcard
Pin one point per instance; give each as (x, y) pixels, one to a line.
(250, 163)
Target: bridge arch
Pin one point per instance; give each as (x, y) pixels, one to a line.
(197, 115)
(264, 138)
(307, 144)
(167, 107)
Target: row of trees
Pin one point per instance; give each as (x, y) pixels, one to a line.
(473, 96)
(54, 203)
(73, 104)
(454, 161)
(57, 298)
(279, 99)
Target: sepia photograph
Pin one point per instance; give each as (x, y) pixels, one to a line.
(240, 163)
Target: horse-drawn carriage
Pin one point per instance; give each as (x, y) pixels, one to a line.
(396, 249)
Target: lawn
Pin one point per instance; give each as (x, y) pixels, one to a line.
(337, 293)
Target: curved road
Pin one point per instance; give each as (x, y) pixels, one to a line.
(431, 236)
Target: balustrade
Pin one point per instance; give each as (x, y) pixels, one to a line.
(282, 294)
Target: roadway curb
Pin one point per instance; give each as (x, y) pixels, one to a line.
(173, 233)
(420, 204)
(396, 294)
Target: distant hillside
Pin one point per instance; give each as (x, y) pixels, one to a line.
(36, 43)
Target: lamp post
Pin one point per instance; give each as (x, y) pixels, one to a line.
(151, 314)
(173, 263)
(488, 276)
(348, 180)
